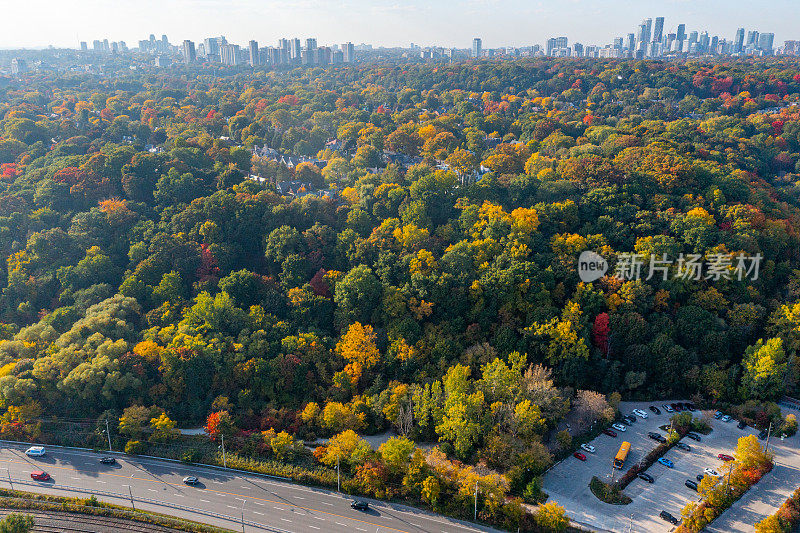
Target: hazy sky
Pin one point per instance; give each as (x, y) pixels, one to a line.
(34, 23)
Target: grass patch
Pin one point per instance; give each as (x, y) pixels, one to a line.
(608, 493)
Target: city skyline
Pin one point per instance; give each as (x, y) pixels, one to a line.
(383, 23)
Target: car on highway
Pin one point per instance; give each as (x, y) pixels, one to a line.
(691, 484)
(668, 408)
(656, 437)
(666, 462)
(668, 517)
(694, 436)
(726, 418)
(741, 424)
(40, 475)
(360, 505)
(683, 446)
(35, 451)
(191, 480)
(656, 410)
(610, 432)
(579, 456)
(640, 413)
(587, 447)
(108, 461)
(646, 477)
(710, 472)
(619, 427)
(725, 457)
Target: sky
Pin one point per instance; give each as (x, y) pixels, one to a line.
(449, 23)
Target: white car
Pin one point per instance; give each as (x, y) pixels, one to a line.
(726, 418)
(640, 413)
(668, 408)
(711, 472)
(35, 451)
(619, 427)
(587, 447)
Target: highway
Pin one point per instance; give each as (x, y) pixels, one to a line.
(222, 498)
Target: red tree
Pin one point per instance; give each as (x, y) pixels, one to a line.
(600, 332)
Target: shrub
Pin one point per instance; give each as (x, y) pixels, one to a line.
(789, 427)
(135, 447)
(608, 493)
(192, 455)
(16, 523)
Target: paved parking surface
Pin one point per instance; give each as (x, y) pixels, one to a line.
(568, 482)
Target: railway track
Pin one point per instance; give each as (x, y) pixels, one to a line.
(58, 522)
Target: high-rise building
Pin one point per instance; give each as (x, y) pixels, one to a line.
(658, 30)
(477, 47)
(556, 46)
(765, 42)
(189, 55)
(18, 66)
(738, 42)
(294, 49)
(752, 39)
(84, 46)
(97, 46)
(348, 53)
(211, 45)
(680, 35)
(230, 54)
(253, 48)
(630, 42)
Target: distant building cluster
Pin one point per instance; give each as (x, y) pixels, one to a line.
(287, 52)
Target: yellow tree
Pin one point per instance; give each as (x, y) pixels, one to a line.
(358, 347)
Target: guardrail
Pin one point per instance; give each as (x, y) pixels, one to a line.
(161, 503)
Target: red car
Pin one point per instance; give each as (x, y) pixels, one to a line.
(610, 432)
(39, 475)
(725, 457)
(579, 455)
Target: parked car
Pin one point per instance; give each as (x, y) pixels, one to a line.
(39, 475)
(191, 480)
(579, 455)
(763, 434)
(710, 472)
(718, 415)
(108, 460)
(610, 432)
(655, 410)
(666, 462)
(588, 447)
(656, 437)
(668, 517)
(741, 424)
(628, 419)
(360, 505)
(691, 407)
(668, 408)
(694, 436)
(725, 457)
(645, 476)
(678, 407)
(726, 418)
(683, 446)
(619, 427)
(35, 451)
(691, 484)
(700, 477)
(640, 413)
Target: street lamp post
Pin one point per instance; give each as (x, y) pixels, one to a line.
(243, 502)
(108, 434)
(224, 460)
(476, 501)
(130, 491)
(8, 471)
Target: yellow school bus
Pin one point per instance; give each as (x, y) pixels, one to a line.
(619, 460)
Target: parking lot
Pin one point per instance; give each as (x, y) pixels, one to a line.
(568, 482)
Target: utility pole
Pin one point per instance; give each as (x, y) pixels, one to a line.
(769, 434)
(630, 528)
(338, 478)
(476, 501)
(224, 461)
(244, 502)
(108, 434)
(130, 492)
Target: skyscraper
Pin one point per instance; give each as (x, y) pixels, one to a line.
(84, 46)
(477, 45)
(189, 55)
(658, 31)
(294, 49)
(738, 42)
(211, 46)
(681, 33)
(253, 47)
(348, 52)
(765, 42)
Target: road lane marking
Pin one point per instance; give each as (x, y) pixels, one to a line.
(285, 519)
(314, 527)
(205, 501)
(279, 508)
(299, 497)
(326, 503)
(259, 503)
(232, 507)
(256, 512)
(103, 482)
(180, 495)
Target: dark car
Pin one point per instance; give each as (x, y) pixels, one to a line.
(718, 415)
(694, 436)
(763, 434)
(678, 407)
(656, 437)
(700, 477)
(691, 484)
(630, 420)
(683, 446)
(668, 517)
(741, 424)
(360, 505)
(645, 476)
(39, 475)
(691, 407)
(610, 432)
(108, 460)
(655, 409)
